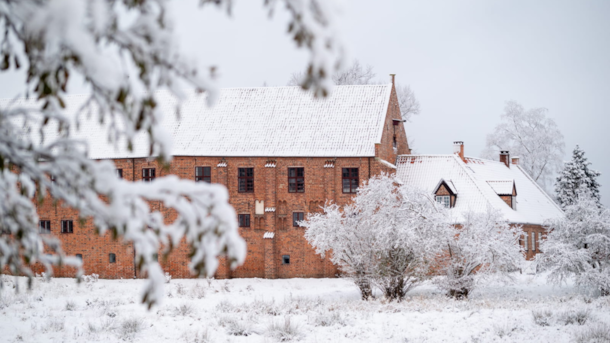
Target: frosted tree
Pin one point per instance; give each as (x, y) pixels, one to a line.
(388, 237)
(357, 74)
(344, 235)
(484, 244)
(125, 51)
(532, 136)
(578, 245)
(574, 175)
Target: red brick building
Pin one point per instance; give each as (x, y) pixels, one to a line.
(281, 154)
(472, 184)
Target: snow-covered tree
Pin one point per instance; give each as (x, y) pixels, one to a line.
(388, 237)
(357, 74)
(125, 51)
(576, 174)
(578, 245)
(532, 136)
(484, 244)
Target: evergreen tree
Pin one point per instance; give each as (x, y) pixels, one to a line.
(576, 174)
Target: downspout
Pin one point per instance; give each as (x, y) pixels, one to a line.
(133, 179)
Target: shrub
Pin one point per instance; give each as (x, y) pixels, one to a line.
(599, 333)
(334, 318)
(70, 305)
(183, 310)
(198, 291)
(234, 327)
(542, 318)
(130, 327)
(196, 337)
(283, 331)
(579, 317)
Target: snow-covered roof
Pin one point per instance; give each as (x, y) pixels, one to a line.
(502, 187)
(474, 192)
(263, 121)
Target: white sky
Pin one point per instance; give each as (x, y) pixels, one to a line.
(463, 60)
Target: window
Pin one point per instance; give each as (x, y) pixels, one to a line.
(444, 200)
(296, 180)
(67, 226)
(514, 202)
(350, 180)
(245, 178)
(525, 236)
(203, 174)
(80, 257)
(112, 258)
(156, 257)
(45, 226)
(394, 143)
(296, 218)
(148, 174)
(244, 220)
(286, 259)
(119, 173)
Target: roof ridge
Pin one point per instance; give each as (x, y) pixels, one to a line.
(472, 178)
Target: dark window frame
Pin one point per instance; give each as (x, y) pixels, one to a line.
(44, 226)
(149, 174)
(285, 259)
(245, 180)
(244, 219)
(297, 217)
(351, 175)
(67, 226)
(119, 172)
(79, 256)
(296, 182)
(112, 258)
(204, 174)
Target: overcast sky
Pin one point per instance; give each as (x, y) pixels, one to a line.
(463, 59)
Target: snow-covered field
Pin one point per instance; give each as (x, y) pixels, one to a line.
(306, 310)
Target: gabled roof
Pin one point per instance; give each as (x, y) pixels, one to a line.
(474, 192)
(502, 187)
(263, 121)
(450, 187)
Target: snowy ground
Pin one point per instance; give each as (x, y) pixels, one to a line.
(306, 310)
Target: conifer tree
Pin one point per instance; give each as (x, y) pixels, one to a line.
(576, 174)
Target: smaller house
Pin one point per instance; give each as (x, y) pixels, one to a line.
(472, 184)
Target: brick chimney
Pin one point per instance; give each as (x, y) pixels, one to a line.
(392, 75)
(514, 160)
(458, 148)
(505, 157)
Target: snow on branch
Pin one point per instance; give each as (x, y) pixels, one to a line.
(124, 51)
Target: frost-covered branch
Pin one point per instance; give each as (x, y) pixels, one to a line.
(531, 135)
(388, 237)
(124, 50)
(484, 244)
(578, 245)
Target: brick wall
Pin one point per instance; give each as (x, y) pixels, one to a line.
(323, 182)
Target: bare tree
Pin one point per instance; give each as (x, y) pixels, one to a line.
(409, 106)
(354, 75)
(532, 136)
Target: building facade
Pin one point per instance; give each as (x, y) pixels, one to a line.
(281, 153)
(465, 184)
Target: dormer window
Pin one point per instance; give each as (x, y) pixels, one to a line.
(506, 190)
(445, 193)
